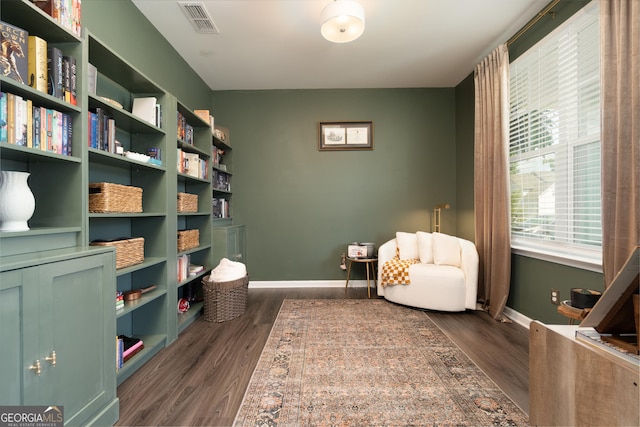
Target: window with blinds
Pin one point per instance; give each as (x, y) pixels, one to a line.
(554, 142)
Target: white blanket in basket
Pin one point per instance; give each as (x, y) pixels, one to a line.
(227, 271)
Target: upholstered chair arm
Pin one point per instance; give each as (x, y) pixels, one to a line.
(470, 264)
(385, 252)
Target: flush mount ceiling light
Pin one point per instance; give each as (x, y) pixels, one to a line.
(342, 21)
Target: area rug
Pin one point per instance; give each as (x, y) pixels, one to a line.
(367, 363)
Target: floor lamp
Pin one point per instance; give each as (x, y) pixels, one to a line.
(435, 225)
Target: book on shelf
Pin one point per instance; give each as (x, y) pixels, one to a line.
(203, 114)
(192, 164)
(69, 79)
(67, 13)
(135, 350)
(183, 267)
(15, 41)
(119, 300)
(220, 208)
(29, 124)
(126, 348)
(145, 108)
(3, 117)
(37, 127)
(11, 118)
(20, 117)
(194, 269)
(37, 63)
(92, 79)
(55, 72)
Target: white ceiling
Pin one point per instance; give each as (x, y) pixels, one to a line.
(276, 44)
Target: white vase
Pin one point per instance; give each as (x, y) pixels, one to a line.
(17, 203)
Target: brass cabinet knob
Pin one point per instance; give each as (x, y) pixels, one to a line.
(51, 358)
(36, 367)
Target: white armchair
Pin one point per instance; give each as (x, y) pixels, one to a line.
(444, 279)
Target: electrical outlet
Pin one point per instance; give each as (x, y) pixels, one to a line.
(555, 296)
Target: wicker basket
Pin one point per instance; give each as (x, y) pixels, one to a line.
(187, 202)
(224, 300)
(188, 239)
(128, 251)
(109, 197)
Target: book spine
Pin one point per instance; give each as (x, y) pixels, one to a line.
(71, 80)
(65, 134)
(20, 120)
(11, 118)
(38, 75)
(43, 129)
(49, 133)
(36, 127)
(59, 132)
(66, 79)
(29, 124)
(54, 70)
(3, 117)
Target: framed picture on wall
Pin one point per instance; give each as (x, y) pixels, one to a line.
(345, 136)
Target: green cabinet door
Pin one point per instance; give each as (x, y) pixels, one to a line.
(59, 317)
(19, 335)
(77, 329)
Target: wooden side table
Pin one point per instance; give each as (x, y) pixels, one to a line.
(368, 263)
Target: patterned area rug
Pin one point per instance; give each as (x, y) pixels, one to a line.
(367, 363)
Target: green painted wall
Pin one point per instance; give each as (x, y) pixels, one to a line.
(465, 104)
(302, 206)
(122, 27)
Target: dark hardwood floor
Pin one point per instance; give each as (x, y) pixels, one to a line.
(200, 379)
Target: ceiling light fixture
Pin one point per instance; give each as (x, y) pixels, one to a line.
(342, 21)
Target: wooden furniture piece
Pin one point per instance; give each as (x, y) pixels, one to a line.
(58, 328)
(369, 263)
(575, 383)
(590, 375)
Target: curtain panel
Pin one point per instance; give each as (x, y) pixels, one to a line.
(620, 94)
(491, 180)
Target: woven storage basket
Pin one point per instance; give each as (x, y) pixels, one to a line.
(109, 197)
(128, 251)
(188, 239)
(224, 300)
(187, 202)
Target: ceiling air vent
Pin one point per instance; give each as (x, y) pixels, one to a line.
(199, 17)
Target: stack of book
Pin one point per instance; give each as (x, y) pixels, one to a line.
(67, 13)
(185, 130)
(126, 348)
(119, 300)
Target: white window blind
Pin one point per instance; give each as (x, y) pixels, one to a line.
(554, 144)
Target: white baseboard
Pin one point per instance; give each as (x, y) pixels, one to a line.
(265, 284)
(519, 318)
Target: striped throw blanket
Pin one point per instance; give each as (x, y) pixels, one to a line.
(396, 271)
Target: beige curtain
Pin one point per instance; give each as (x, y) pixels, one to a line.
(620, 95)
(491, 180)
